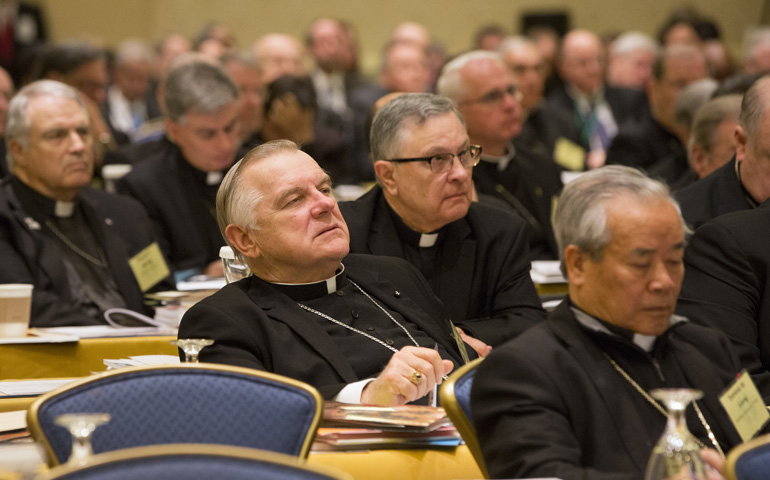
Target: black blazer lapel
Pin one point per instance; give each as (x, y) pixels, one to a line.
(282, 309)
(622, 417)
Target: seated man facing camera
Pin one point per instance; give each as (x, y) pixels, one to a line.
(311, 311)
(570, 397)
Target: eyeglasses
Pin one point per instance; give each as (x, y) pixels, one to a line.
(442, 162)
(496, 97)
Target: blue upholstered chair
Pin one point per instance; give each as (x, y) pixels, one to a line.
(194, 462)
(456, 399)
(188, 403)
(750, 461)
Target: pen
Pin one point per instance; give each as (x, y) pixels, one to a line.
(433, 395)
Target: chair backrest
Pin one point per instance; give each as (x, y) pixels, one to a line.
(193, 462)
(750, 461)
(456, 400)
(188, 403)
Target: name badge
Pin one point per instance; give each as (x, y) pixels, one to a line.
(149, 267)
(745, 406)
(569, 155)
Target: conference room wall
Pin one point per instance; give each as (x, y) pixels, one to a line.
(452, 22)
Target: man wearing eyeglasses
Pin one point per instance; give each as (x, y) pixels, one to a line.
(490, 102)
(474, 256)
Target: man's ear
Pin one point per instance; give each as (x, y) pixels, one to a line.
(172, 129)
(17, 152)
(698, 159)
(575, 262)
(741, 142)
(240, 239)
(385, 172)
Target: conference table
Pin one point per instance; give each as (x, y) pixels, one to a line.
(85, 356)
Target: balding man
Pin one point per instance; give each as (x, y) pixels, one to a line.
(488, 98)
(744, 182)
(597, 111)
(474, 256)
(278, 54)
(712, 141)
(76, 245)
(405, 68)
(657, 143)
(360, 328)
(756, 55)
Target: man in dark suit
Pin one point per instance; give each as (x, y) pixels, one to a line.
(77, 246)
(728, 268)
(597, 111)
(656, 144)
(510, 173)
(177, 184)
(311, 311)
(569, 398)
(744, 182)
(474, 256)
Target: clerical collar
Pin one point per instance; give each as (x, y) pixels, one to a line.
(411, 237)
(213, 178)
(503, 161)
(308, 291)
(40, 206)
(645, 342)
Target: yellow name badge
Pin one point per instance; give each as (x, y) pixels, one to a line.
(569, 155)
(149, 267)
(745, 406)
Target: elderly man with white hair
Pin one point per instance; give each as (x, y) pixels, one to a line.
(76, 245)
(630, 60)
(570, 398)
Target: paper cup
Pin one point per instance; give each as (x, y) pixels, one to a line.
(15, 306)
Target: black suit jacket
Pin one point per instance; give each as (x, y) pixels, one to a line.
(727, 274)
(27, 256)
(715, 195)
(485, 284)
(626, 105)
(180, 206)
(649, 146)
(549, 404)
(528, 186)
(256, 326)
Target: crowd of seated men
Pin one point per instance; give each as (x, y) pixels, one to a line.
(376, 300)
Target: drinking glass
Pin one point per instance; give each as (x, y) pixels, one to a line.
(234, 268)
(81, 426)
(192, 347)
(676, 453)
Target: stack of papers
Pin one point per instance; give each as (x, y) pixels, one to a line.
(140, 360)
(99, 331)
(356, 427)
(546, 271)
(30, 388)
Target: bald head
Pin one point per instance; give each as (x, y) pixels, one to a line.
(582, 61)
(279, 54)
(411, 32)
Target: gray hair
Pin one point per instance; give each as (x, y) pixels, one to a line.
(753, 106)
(236, 201)
(243, 57)
(515, 42)
(709, 116)
(17, 122)
(197, 86)
(580, 218)
(631, 41)
(691, 98)
(405, 111)
(133, 51)
(449, 84)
